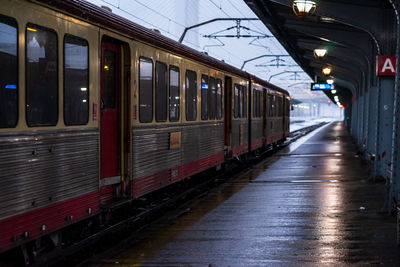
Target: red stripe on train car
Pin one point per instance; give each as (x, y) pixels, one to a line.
(256, 144)
(275, 138)
(239, 150)
(143, 185)
(53, 217)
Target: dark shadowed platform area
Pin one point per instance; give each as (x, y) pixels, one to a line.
(309, 204)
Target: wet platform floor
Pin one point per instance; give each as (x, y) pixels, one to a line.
(308, 205)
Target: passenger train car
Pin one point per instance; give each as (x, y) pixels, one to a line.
(95, 109)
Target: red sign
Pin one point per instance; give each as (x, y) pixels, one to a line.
(385, 66)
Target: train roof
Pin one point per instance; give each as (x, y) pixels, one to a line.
(99, 16)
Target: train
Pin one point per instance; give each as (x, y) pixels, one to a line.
(95, 109)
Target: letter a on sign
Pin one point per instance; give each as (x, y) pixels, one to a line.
(385, 66)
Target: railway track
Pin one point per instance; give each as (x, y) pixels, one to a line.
(117, 229)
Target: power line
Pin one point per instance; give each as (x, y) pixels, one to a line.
(160, 14)
(220, 8)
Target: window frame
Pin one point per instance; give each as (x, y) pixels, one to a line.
(26, 75)
(172, 67)
(9, 20)
(88, 79)
(152, 88)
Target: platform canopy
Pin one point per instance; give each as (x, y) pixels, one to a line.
(350, 31)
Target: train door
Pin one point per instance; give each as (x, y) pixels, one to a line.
(110, 103)
(228, 110)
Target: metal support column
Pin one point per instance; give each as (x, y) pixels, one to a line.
(366, 121)
(385, 125)
(372, 126)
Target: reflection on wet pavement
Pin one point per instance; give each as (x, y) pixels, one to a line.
(308, 205)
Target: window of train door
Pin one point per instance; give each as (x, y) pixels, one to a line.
(109, 105)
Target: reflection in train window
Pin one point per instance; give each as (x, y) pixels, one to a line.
(145, 90)
(241, 101)
(278, 106)
(109, 70)
(236, 101)
(204, 97)
(191, 95)
(259, 104)
(271, 106)
(76, 80)
(161, 91)
(219, 99)
(212, 101)
(174, 95)
(244, 101)
(8, 72)
(254, 103)
(41, 76)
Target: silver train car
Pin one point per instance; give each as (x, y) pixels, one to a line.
(95, 109)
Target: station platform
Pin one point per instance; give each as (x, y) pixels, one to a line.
(309, 204)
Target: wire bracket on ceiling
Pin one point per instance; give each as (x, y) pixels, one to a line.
(262, 56)
(238, 27)
(295, 74)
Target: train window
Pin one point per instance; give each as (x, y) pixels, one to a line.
(241, 101)
(236, 101)
(254, 102)
(244, 101)
(219, 99)
(174, 95)
(109, 71)
(204, 97)
(8, 72)
(145, 90)
(191, 95)
(212, 104)
(76, 80)
(41, 76)
(278, 107)
(258, 104)
(161, 91)
(270, 106)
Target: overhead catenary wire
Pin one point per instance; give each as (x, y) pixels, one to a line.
(177, 23)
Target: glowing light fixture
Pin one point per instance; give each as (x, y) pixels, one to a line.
(31, 29)
(329, 81)
(336, 98)
(333, 92)
(106, 67)
(320, 53)
(303, 8)
(327, 70)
